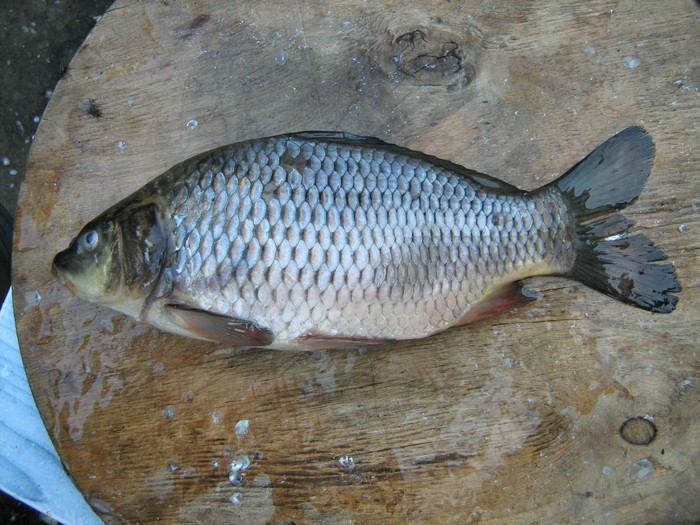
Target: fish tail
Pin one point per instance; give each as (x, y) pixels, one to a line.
(607, 258)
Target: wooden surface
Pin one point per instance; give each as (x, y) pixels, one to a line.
(515, 419)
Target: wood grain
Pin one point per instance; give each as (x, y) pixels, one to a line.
(512, 419)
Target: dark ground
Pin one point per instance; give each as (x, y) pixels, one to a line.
(38, 38)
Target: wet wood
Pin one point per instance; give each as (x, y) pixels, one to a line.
(516, 418)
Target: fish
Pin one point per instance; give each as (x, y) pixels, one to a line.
(331, 240)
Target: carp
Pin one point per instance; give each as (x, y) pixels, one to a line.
(327, 240)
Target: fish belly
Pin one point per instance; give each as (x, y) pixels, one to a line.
(306, 237)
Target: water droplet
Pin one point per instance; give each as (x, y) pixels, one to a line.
(589, 51)
(281, 57)
(642, 468)
(235, 468)
(347, 464)
(631, 62)
(121, 144)
(236, 478)
(5, 161)
(192, 124)
(173, 465)
(215, 463)
(32, 298)
(607, 470)
(188, 396)
(169, 412)
(107, 325)
(236, 498)
(217, 417)
(242, 427)
(682, 228)
(36, 119)
(239, 463)
(188, 472)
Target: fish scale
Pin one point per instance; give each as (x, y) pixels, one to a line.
(322, 240)
(358, 240)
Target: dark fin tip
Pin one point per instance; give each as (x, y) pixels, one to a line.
(607, 258)
(611, 177)
(623, 266)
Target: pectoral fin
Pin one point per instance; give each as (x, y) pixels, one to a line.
(500, 300)
(218, 328)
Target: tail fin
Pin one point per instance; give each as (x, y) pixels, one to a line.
(607, 259)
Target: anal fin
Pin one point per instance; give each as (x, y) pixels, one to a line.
(217, 327)
(502, 299)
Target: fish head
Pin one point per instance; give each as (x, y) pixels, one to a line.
(91, 265)
(117, 258)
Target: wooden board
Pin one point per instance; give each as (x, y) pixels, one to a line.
(515, 419)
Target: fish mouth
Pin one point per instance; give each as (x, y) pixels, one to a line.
(56, 265)
(54, 270)
(58, 271)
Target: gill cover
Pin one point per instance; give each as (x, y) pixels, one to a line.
(144, 247)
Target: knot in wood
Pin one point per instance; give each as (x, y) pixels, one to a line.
(415, 48)
(638, 431)
(430, 61)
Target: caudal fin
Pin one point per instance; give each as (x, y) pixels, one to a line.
(608, 259)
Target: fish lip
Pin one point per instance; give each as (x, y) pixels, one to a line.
(55, 270)
(59, 274)
(56, 265)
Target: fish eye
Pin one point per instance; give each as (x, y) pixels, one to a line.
(89, 240)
